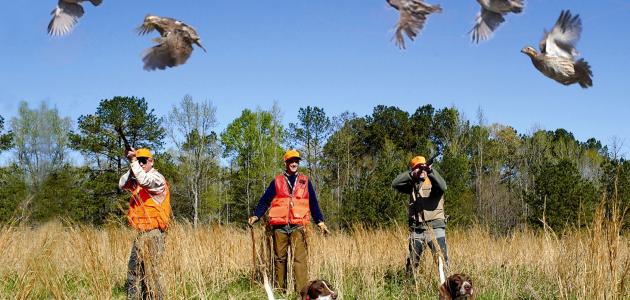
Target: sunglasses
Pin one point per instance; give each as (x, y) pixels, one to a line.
(292, 160)
(143, 160)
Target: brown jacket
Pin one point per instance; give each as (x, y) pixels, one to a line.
(426, 199)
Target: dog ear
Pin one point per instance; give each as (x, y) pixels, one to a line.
(304, 291)
(444, 293)
(454, 282)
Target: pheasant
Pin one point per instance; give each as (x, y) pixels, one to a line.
(556, 59)
(413, 15)
(491, 16)
(174, 44)
(66, 15)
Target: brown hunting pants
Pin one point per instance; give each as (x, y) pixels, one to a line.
(144, 277)
(297, 241)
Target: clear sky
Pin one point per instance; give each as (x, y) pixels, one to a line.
(334, 54)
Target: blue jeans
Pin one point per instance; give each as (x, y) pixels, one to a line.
(417, 242)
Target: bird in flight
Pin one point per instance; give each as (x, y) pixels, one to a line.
(491, 16)
(66, 15)
(174, 44)
(413, 15)
(557, 57)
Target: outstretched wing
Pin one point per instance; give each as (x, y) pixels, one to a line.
(173, 50)
(485, 24)
(65, 17)
(561, 40)
(413, 15)
(163, 25)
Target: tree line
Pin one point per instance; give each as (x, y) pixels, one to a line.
(495, 176)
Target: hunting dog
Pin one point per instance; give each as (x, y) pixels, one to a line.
(318, 290)
(457, 287)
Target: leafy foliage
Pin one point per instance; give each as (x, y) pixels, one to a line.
(98, 140)
(562, 197)
(5, 138)
(252, 142)
(495, 175)
(41, 140)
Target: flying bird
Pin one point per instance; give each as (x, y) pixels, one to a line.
(556, 59)
(491, 16)
(66, 15)
(413, 15)
(174, 44)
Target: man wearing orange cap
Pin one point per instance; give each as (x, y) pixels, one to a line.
(149, 214)
(427, 221)
(293, 201)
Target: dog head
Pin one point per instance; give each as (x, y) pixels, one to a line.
(456, 287)
(318, 290)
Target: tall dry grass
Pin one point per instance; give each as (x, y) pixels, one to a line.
(214, 262)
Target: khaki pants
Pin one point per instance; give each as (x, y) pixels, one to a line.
(144, 277)
(297, 241)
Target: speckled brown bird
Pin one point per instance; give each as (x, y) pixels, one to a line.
(174, 44)
(491, 16)
(66, 15)
(556, 59)
(413, 15)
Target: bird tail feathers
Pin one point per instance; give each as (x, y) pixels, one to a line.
(584, 73)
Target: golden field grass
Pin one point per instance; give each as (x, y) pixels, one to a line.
(214, 262)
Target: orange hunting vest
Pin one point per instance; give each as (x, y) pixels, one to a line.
(146, 214)
(288, 208)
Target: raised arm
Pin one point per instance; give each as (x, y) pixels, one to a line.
(403, 182)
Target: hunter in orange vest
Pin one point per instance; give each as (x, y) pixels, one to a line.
(149, 213)
(292, 199)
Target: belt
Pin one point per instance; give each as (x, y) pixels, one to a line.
(420, 227)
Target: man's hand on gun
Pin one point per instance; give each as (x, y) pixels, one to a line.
(130, 154)
(421, 172)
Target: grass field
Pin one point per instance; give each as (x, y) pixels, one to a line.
(214, 262)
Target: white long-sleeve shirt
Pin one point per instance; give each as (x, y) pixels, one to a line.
(152, 181)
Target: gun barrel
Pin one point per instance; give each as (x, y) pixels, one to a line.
(124, 138)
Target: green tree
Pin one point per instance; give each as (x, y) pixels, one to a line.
(6, 139)
(370, 200)
(451, 137)
(501, 203)
(41, 140)
(252, 143)
(190, 128)
(616, 182)
(59, 196)
(388, 123)
(341, 152)
(98, 140)
(561, 197)
(13, 194)
(422, 124)
(311, 133)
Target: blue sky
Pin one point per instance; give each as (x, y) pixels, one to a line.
(334, 54)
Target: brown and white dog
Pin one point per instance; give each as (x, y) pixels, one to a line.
(318, 290)
(456, 287)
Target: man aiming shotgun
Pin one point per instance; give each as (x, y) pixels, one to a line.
(425, 187)
(149, 214)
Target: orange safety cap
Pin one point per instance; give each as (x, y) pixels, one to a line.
(418, 160)
(291, 153)
(144, 152)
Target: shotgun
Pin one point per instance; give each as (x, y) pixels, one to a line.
(124, 138)
(432, 159)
